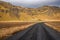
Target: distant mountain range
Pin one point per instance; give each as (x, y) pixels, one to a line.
(9, 12)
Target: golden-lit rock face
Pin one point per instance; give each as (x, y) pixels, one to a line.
(50, 13)
(9, 12)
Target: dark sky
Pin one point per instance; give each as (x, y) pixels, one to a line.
(34, 3)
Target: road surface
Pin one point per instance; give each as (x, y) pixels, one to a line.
(39, 31)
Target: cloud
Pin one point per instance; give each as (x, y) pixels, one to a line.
(30, 1)
(34, 3)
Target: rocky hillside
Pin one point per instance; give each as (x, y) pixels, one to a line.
(9, 12)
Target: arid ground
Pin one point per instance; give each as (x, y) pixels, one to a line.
(8, 28)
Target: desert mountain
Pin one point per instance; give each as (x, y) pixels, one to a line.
(9, 12)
